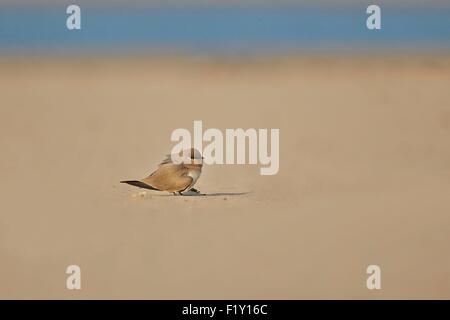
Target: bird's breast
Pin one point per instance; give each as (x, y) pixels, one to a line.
(194, 174)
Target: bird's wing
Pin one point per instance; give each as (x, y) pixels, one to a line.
(139, 184)
(171, 177)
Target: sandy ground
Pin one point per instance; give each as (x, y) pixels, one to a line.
(364, 179)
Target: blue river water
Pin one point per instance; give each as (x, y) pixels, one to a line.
(221, 29)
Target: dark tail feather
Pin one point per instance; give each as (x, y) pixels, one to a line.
(139, 184)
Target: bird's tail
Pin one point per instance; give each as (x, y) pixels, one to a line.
(139, 184)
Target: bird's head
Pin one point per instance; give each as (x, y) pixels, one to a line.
(190, 158)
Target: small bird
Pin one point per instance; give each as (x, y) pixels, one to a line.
(174, 177)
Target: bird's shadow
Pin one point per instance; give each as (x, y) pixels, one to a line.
(199, 194)
(217, 194)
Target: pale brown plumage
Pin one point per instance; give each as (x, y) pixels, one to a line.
(173, 177)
